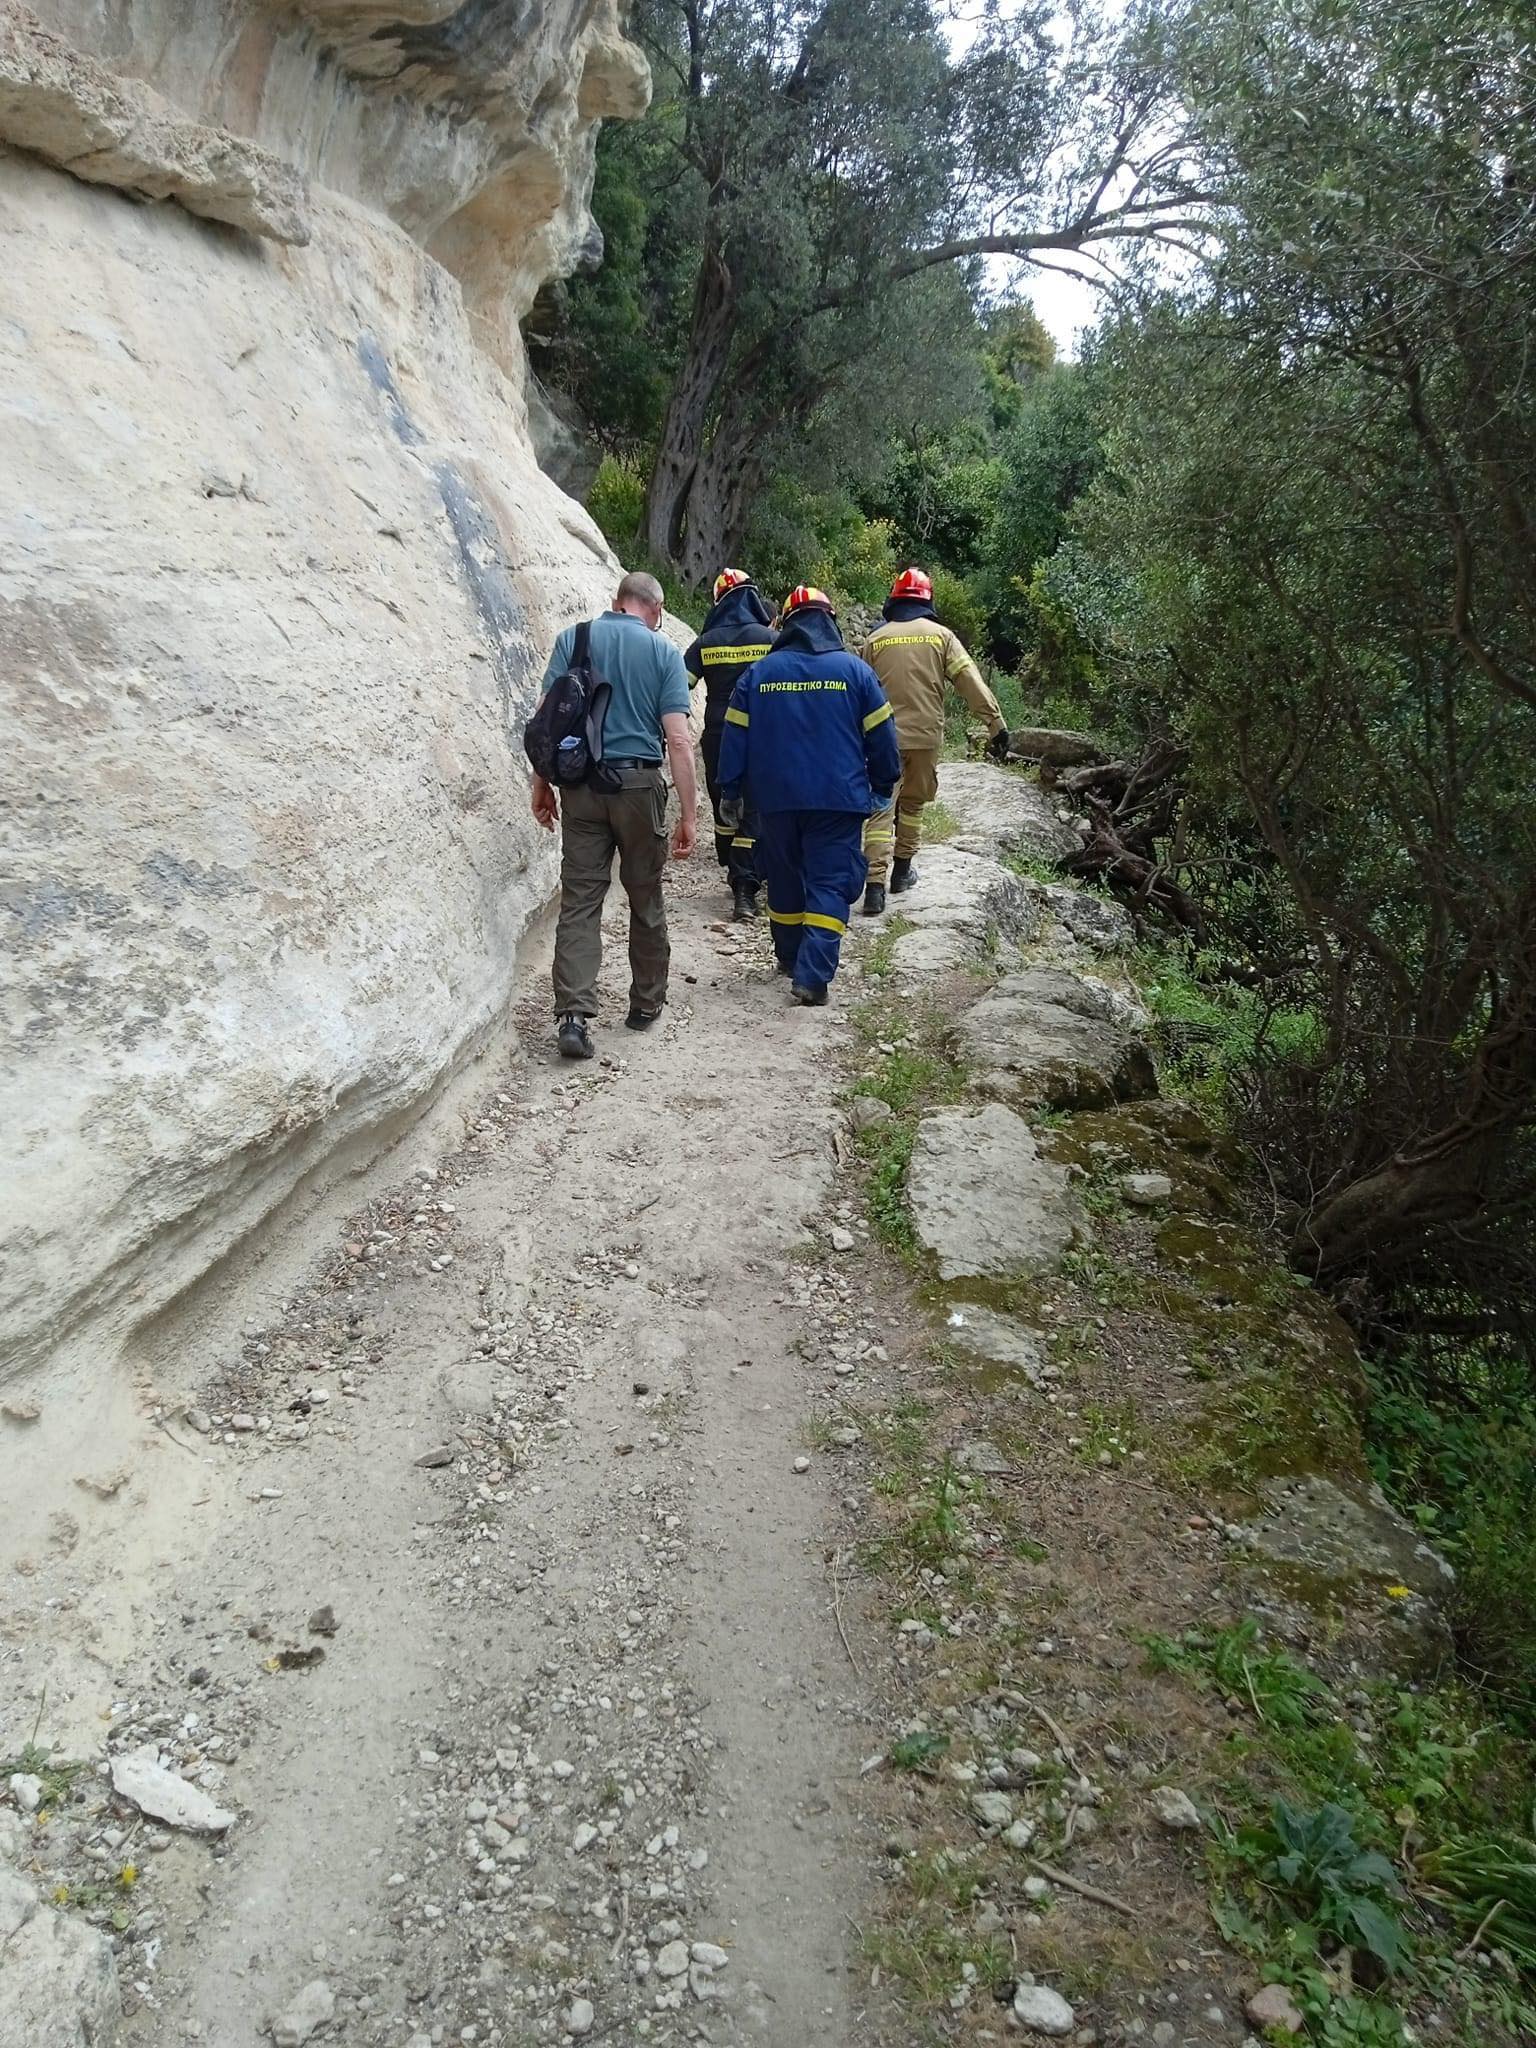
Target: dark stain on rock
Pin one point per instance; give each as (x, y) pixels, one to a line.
(486, 571)
(167, 879)
(503, 617)
(44, 909)
(477, 40)
(382, 378)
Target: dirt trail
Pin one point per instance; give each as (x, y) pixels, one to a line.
(586, 1699)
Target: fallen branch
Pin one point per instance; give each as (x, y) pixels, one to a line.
(1084, 1891)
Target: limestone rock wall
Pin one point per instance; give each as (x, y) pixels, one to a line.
(278, 571)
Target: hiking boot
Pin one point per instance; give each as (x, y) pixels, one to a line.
(744, 898)
(874, 899)
(812, 998)
(640, 1020)
(575, 1040)
(903, 875)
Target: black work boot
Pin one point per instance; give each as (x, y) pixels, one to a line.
(575, 1040)
(812, 998)
(903, 875)
(874, 899)
(744, 897)
(640, 1020)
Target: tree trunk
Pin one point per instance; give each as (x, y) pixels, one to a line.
(1451, 1176)
(711, 331)
(1384, 1218)
(725, 482)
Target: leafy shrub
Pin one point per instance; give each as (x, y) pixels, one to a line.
(959, 608)
(1316, 1861)
(617, 501)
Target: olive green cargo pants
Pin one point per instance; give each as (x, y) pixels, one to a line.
(633, 823)
(899, 827)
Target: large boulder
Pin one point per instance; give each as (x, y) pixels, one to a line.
(58, 1980)
(984, 1203)
(1335, 1542)
(1055, 1040)
(278, 575)
(963, 907)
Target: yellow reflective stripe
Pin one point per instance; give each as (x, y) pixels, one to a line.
(959, 661)
(743, 842)
(724, 831)
(878, 838)
(877, 717)
(786, 916)
(826, 924)
(735, 717)
(754, 651)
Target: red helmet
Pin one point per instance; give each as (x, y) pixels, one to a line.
(805, 594)
(730, 579)
(913, 583)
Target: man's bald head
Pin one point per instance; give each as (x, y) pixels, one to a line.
(640, 594)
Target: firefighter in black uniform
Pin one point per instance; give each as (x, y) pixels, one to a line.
(735, 634)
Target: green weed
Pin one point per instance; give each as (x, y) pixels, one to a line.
(57, 1774)
(1282, 1692)
(919, 1751)
(939, 823)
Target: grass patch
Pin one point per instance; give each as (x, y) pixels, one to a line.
(917, 1073)
(1259, 1424)
(1454, 1445)
(939, 823)
(1207, 1032)
(1372, 1852)
(879, 956)
(887, 1151)
(56, 1774)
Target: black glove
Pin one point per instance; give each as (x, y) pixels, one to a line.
(732, 810)
(999, 744)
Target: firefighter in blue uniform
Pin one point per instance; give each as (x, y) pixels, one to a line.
(734, 635)
(809, 729)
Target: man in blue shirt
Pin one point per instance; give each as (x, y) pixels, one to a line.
(809, 731)
(648, 715)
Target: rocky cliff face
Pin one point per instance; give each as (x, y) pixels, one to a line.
(277, 574)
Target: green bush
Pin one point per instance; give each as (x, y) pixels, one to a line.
(1210, 1033)
(959, 608)
(1452, 1438)
(617, 501)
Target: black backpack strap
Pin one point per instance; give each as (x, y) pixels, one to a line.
(581, 649)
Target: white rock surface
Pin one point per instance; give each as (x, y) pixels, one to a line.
(314, 2008)
(111, 131)
(984, 1337)
(278, 575)
(963, 903)
(58, 1980)
(1003, 812)
(1145, 1190)
(1043, 2011)
(983, 1200)
(164, 1795)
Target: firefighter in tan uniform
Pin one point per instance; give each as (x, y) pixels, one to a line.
(916, 660)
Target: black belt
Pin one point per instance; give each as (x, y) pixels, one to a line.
(617, 761)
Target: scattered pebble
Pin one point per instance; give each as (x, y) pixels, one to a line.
(1175, 1809)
